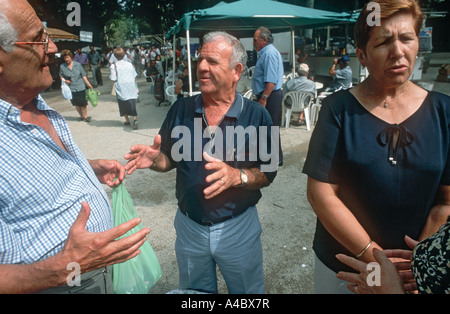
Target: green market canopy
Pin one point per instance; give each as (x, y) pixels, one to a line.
(242, 18)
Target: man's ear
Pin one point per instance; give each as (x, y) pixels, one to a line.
(238, 69)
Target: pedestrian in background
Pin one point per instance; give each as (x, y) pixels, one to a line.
(123, 73)
(268, 76)
(95, 63)
(74, 75)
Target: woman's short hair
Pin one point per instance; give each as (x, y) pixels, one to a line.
(388, 8)
(119, 53)
(238, 54)
(66, 52)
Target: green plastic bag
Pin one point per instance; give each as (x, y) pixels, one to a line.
(139, 274)
(92, 96)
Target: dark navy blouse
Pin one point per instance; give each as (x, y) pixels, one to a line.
(389, 188)
(185, 135)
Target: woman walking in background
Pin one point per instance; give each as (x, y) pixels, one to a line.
(124, 74)
(74, 75)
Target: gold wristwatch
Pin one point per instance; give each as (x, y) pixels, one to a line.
(244, 178)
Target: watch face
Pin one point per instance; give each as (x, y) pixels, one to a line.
(243, 177)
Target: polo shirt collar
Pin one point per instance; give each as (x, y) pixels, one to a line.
(233, 112)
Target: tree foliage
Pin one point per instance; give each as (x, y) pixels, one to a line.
(119, 20)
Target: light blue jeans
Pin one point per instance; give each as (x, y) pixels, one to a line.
(234, 246)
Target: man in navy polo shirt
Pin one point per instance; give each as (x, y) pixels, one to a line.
(221, 145)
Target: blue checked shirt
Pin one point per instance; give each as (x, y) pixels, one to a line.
(42, 187)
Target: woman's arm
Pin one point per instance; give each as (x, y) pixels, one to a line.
(339, 220)
(439, 212)
(87, 82)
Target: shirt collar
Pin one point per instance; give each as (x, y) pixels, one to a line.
(7, 108)
(263, 50)
(233, 112)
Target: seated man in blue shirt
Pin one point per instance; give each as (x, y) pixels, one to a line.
(302, 84)
(342, 77)
(56, 223)
(224, 151)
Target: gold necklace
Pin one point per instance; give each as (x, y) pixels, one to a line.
(385, 101)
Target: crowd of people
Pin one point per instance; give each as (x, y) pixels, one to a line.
(378, 166)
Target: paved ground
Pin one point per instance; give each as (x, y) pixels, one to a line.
(287, 219)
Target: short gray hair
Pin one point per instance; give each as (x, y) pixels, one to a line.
(238, 53)
(8, 34)
(264, 32)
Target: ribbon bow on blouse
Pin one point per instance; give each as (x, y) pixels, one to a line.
(395, 136)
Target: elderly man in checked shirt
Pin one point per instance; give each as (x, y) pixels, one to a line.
(54, 212)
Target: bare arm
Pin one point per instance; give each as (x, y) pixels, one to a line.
(338, 219)
(267, 91)
(87, 82)
(90, 250)
(178, 87)
(332, 71)
(439, 213)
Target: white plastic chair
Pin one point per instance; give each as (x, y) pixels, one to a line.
(248, 94)
(250, 72)
(170, 94)
(288, 77)
(301, 101)
(315, 109)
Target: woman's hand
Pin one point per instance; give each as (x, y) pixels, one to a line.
(373, 278)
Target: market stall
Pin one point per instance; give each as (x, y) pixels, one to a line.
(242, 18)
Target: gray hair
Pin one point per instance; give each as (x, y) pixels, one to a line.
(264, 32)
(238, 53)
(8, 34)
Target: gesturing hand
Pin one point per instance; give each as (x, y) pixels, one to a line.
(143, 156)
(96, 250)
(222, 178)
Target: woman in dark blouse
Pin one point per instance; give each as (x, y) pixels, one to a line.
(378, 158)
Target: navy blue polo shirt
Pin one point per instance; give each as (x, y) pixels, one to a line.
(242, 139)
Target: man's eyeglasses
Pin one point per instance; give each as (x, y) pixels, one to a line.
(45, 42)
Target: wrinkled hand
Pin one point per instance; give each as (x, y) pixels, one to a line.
(402, 260)
(389, 281)
(110, 172)
(143, 156)
(97, 250)
(222, 178)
